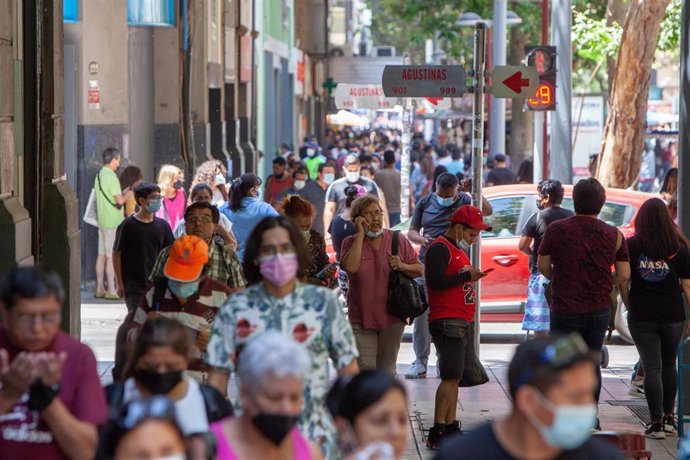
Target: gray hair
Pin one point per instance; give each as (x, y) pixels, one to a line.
(271, 354)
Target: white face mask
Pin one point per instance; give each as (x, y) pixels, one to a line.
(181, 456)
(299, 184)
(352, 176)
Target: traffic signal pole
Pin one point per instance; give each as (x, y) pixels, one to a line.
(479, 74)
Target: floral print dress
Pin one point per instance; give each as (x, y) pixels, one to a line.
(310, 315)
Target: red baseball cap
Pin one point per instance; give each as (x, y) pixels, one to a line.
(187, 258)
(470, 216)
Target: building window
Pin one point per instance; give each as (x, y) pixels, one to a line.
(70, 11)
(151, 12)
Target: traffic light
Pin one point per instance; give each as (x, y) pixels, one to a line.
(542, 58)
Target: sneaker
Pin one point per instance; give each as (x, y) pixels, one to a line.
(636, 390)
(670, 424)
(416, 371)
(655, 430)
(435, 436)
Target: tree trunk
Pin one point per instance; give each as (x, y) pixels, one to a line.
(522, 122)
(616, 12)
(621, 152)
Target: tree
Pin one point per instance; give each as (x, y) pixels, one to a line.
(620, 157)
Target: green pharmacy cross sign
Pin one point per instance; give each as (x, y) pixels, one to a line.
(330, 85)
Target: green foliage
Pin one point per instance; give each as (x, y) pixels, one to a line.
(669, 37)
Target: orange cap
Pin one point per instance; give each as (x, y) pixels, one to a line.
(187, 258)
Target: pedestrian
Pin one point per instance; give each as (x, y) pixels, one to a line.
(157, 367)
(549, 198)
(450, 280)
(576, 255)
(186, 295)
(314, 158)
(277, 182)
(388, 181)
(299, 181)
(342, 227)
(245, 210)
(551, 382)
(272, 370)
(669, 186)
(144, 430)
(315, 192)
(171, 183)
(201, 220)
(500, 174)
(335, 195)
(302, 213)
(525, 174)
(139, 240)
(277, 301)
(130, 177)
(109, 202)
(660, 263)
(431, 219)
(224, 233)
(214, 174)
(368, 262)
(647, 168)
(51, 402)
(371, 414)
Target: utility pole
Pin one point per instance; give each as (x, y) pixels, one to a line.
(497, 129)
(561, 151)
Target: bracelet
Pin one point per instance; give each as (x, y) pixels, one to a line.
(41, 395)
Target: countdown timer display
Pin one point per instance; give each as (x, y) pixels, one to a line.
(543, 98)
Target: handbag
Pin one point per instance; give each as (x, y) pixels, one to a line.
(406, 298)
(90, 213)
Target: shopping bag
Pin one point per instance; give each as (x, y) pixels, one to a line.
(90, 214)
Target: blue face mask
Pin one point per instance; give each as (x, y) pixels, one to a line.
(371, 234)
(328, 178)
(183, 290)
(572, 425)
(154, 205)
(445, 202)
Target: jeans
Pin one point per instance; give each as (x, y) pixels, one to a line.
(421, 337)
(394, 218)
(591, 326)
(132, 301)
(657, 344)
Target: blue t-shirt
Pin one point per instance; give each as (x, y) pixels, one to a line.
(251, 212)
(432, 218)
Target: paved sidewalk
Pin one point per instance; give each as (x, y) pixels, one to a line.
(618, 411)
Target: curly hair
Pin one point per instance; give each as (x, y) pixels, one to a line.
(206, 174)
(294, 206)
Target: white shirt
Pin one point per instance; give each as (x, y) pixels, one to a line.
(190, 411)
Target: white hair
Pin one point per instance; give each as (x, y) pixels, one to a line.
(271, 354)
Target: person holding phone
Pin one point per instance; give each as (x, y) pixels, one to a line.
(450, 282)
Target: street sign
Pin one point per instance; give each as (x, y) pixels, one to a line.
(511, 82)
(424, 81)
(363, 97)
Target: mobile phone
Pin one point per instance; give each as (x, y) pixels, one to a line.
(322, 273)
(489, 270)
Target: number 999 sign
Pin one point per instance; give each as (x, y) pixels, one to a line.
(543, 98)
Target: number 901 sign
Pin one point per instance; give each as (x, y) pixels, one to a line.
(543, 98)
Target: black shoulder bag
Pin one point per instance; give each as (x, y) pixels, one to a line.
(406, 298)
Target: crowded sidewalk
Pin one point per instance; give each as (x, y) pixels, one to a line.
(478, 405)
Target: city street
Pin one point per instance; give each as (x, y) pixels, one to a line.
(618, 411)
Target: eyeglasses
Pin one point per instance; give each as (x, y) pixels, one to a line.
(560, 354)
(272, 250)
(28, 320)
(371, 215)
(158, 407)
(199, 219)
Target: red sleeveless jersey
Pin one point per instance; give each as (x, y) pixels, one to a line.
(457, 302)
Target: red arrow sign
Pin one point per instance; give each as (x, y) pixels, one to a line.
(515, 82)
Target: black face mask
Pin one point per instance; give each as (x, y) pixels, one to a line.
(178, 184)
(156, 382)
(275, 426)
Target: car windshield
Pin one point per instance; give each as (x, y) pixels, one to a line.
(616, 214)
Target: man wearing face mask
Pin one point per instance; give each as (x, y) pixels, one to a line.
(187, 296)
(549, 199)
(450, 282)
(299, 181)
(277, 182)
(429, 221)
(315, 192)
(335, 195)
(138, 240)
(313, 159)
(551, 382)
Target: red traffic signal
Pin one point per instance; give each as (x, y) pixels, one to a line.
(543, 59)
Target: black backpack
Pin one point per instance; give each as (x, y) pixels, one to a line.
(406, 298)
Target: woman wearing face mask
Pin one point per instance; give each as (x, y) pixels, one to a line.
(143, 430)
(449, 278)
(371, 414)
(213, 173)
(245, 210)
(156, 367)
(171, 183)
(311, 315)
(203, 192)
(271, 371)
(302, 213)
(368, 262)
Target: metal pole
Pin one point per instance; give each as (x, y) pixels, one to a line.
(561, 119)
(538, 162)
(479, 72)
(684, 182)
(497, 130)
(544, 126)
(407, 118)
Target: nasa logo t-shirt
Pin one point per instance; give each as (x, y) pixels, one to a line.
(655, 290)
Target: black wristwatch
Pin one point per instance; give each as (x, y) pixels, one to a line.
(41, 395)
